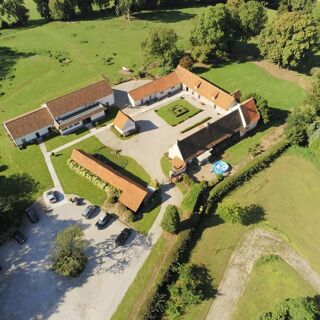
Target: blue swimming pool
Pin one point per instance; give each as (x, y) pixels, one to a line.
(220, 167)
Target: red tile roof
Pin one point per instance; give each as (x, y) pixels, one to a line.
(29, 123)
(155, 86)
(191, 80)
(132, 194)
(121, 120)
(81, 97)
(249, 111)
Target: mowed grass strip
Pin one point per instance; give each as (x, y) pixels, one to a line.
(268, 284)
(177, 111)
(289, 193)
(73, 183)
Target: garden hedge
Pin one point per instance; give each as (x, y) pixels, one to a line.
(255, 166)
(92, 178)
(190, 201)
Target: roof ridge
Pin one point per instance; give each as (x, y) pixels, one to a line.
(74, 91)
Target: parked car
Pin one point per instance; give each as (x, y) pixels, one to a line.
(88, 211)
(52, 196)
(19, 237)
(103, 220)
(32, 215)
(123, 236)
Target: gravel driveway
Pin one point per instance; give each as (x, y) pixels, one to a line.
(29, 290)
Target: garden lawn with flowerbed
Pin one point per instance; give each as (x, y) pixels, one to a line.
(177, 111)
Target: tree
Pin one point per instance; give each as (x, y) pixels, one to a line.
(43, 8)
(316, 12)
(62, 9)
(262, 106)
(290, 39)
(296, 5)
(14, 10)
(102, 4)
(15, 195)
(126, 7)
(305, 308)
(253, 17)
(298, 122)
(69, 258)
(186, 62)
(186, 291)
(85, 6)
(232, 212)
(171, 220)
(212, 34)
(161, 47)
(314, 96)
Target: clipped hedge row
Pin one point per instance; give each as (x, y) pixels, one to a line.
(92, 178)
(255, 166)
(195, 124)
(189, 202)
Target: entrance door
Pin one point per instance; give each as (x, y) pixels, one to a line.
(37, 134)
(86, 121)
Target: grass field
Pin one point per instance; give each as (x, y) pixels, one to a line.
(289, 193)
(177, 111)
(75, 184)
(213, 249)
(268, 284)
(250, 78)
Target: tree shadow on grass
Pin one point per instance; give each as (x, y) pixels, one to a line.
(8, 58)
(201, 273)
(256, 214)
(168, 16)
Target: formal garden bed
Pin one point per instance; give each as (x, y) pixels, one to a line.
(176, 112)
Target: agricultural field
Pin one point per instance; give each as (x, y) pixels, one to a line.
(278, 280)
(177, 111)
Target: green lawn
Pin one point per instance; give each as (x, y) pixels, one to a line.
(250, 78)
(177, 111)
(75, 184)
(268, 284)
(165, 165)
(213, 249)
(290, 195)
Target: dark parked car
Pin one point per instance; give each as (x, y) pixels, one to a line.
(103, 220)
(123, 236)
(32, 215)
(88, 211)
(19, 237)
(52, 196)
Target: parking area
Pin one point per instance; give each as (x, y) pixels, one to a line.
(29, 290)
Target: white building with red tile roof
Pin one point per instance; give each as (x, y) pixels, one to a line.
(124, 124)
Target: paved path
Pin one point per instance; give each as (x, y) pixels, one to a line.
(49, 164)
(255, 244)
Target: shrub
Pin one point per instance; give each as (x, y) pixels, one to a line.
(69, 258)
(171, 219)
(123, 212)
(262, 106)
(294, 309)
(219, 176)
(232, 212)
(190, 200)
(186, 62)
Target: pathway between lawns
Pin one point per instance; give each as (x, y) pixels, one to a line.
(255, 244)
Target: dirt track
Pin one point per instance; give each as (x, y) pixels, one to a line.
(255, 244)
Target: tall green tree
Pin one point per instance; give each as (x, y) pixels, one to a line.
(212, 34)
(290, 39)
(314, 95)
(126, 7)
(171, 219)
(296, 5)
(232, 212)
(102, 4)
(63, 9)
(161, 47)
(43, 8)
(69, 258)
(14, 11)
(84, 6)
(253, 17)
